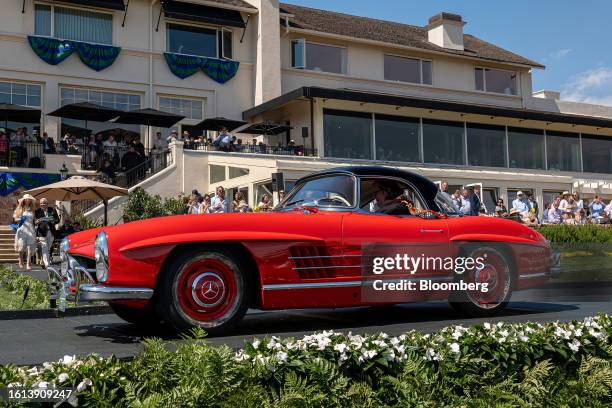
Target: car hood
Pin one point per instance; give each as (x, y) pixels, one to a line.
(82, 243)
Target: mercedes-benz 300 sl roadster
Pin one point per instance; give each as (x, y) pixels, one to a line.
(342, 237)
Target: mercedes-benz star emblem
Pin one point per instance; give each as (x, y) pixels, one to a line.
(210, 290)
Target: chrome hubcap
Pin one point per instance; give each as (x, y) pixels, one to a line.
(208, 289)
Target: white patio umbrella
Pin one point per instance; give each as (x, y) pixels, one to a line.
(79, 188)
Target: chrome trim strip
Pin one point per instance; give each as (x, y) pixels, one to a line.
(347, 284)
(327, 267)
(532, 275)
(90, 293)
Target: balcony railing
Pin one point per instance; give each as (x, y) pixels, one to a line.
(255, 149)
(22, 154)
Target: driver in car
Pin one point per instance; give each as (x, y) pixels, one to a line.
(389, 199)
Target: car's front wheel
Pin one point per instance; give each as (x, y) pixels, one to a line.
(498, 275)
(203, 288)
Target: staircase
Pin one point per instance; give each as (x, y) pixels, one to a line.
(7, 246)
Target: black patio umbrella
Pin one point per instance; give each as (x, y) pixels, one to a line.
(217, 123)
(149, 117)
(76, 130)
(86, 111)
(266, 128)
(18, 113)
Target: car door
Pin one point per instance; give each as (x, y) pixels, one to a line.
(367, 236)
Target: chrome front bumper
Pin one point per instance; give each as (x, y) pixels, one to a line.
(555, 264)
(93, 293)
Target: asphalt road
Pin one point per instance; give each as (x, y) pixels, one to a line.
(33, 341)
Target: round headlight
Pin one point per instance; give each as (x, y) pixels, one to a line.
(101, 255)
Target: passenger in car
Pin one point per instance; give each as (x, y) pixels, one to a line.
(388, 200)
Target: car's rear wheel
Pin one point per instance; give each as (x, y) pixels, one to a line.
(497, 272)
(140, 317)
(204, 288)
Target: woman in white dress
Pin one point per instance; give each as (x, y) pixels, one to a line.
(25, 238)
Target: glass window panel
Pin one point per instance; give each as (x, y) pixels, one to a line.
(597, 154)
(563, 151)
(526, 148)
(20, 89)
(175, 103)
(122, 106)
(196, 113)
(402, 69)
(108, 97)
(347, 134)
(34, 90)
(397, 138)
(33, 100)
(67, 93)
(5, 87)
(121, 98)
(479, 77)
(228, 51)
(297, 54)
(500, 81)
(19, 99)
(443, 142)
(217, 173)
(192, 40)
(83, 25)
(135, 100)
(42, 20)
(237, 172)
(5, 98)
(81, 95)
(486, 145)
(427, 73)
(325, 58)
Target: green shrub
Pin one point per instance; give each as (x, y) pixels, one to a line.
(86, 223)
(524, 364)
(174, 205)
(142, 205)
(13, 288)
(569, 234)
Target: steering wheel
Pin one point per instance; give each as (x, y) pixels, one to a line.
(334, 200)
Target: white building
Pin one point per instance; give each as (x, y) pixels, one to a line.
(431, 98)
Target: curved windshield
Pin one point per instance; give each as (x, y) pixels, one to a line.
(445, 203)
(331, 191)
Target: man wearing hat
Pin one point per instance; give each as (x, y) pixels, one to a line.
(520, 203)
(46, 219)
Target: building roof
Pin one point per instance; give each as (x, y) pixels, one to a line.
(426, 103)
(233, 3)
(393, 33)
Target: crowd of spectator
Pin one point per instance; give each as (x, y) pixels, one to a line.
(566, 208)
(22, 149)
(197, 203)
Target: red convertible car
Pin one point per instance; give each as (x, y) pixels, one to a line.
(316, 249)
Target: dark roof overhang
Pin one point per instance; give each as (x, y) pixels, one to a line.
(105, 4)
(203, 14)
(424, 103)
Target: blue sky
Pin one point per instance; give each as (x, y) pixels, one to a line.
(573, 38)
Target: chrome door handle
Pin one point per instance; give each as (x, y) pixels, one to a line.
(433, 230)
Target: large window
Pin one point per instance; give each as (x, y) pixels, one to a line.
(347, 134)
(443, 142)
(204, 42)
(318, 57)
(20, 94)
(397, 138)
(597, 154)
(110, 99)
(563, 151)
(526, 148)
(73, 24)
(495, 80)
(411, 70)
(190, 108)
(486, 145)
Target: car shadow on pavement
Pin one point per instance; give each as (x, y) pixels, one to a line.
(425, 316)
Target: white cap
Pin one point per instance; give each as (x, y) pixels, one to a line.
(519, 193)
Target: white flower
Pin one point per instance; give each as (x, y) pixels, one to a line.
(430, 354)
(522, 337)
(256, 344)
(14, 385)
(341, 347)
(454, 347)
(578, 332)
(62, 377)
(42, 384)
(574, 345)
(487, 325)
(68, 360)
(84, 384)
(281, 356)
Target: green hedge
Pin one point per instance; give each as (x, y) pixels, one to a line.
(20, 291)
(142, 205)
(529, 364)
(570, 234)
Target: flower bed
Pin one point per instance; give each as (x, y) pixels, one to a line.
(486, 365)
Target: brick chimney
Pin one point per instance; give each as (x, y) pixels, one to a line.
(446, 30)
